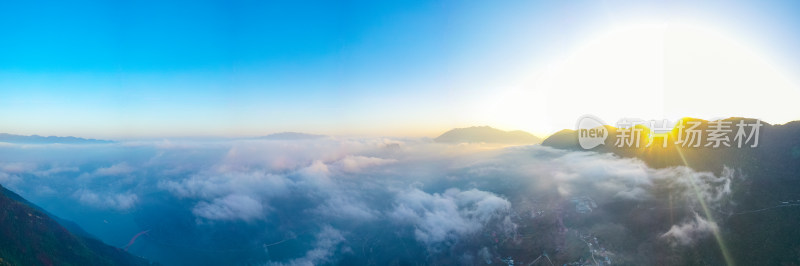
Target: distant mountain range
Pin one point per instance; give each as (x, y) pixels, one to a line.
(30, 236)
(486, 134)
(291, 136)
(36, 139)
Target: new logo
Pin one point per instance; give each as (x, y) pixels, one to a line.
(591, 132)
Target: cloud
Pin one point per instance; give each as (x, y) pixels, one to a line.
(315, 176)
(116, 169)
(116, 201)
(688, 232)
(485, 255)
(712, 188)
(357, 163)
(230, 207)
(214, 184)
(343, 206)
(10, 180)
(437, 197)
(447, 216)
(326, 243)
(17, 167)
(57, 170)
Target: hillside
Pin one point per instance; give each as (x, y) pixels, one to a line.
(28, 236)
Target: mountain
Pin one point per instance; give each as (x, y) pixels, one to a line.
(36, 139)
(778, 147)
(291, 136)
(486, 134)
(767, 178)
(29, 236)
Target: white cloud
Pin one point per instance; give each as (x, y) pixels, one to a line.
(357, 163)
(208, 185)
(340, 205)
(10, 180)
(231, 207)
(57, 170)
(113, 170)
(447, 216)
(326, 243)
(118, 169)
(687, 233)
(116, 201)
(342, 184)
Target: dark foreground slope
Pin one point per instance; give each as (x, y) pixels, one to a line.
(28, 236)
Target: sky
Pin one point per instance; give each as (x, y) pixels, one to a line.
(152, 69)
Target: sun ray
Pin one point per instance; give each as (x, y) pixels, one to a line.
(708, 215)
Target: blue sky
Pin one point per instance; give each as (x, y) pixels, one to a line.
(130, 69)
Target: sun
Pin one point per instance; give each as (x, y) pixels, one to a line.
(654, 71)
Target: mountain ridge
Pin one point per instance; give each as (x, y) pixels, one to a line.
(487, 134)
(37, 139)
(288, 135)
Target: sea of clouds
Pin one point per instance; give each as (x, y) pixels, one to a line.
(356, 200)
